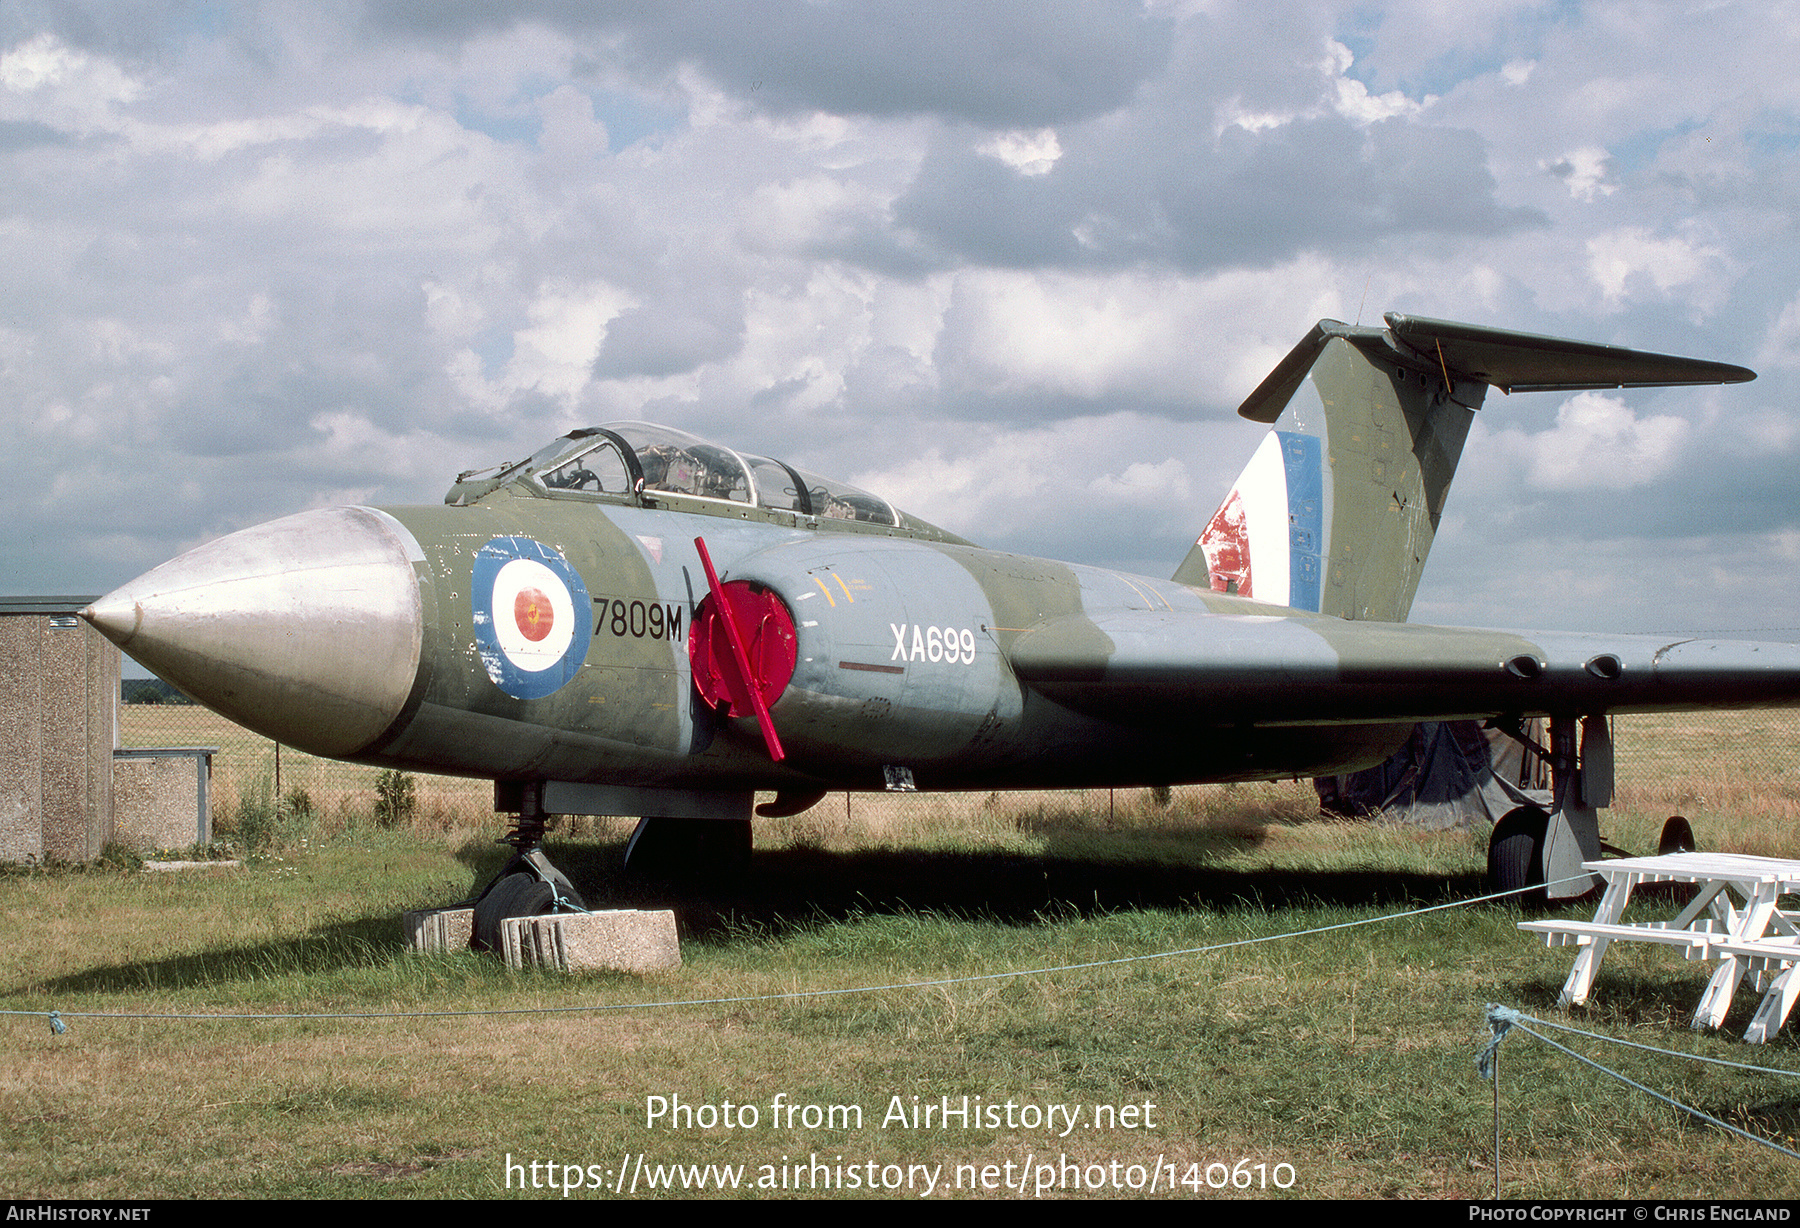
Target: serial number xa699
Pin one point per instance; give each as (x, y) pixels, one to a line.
(953, 644)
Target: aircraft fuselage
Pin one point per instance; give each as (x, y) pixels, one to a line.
(901, 661)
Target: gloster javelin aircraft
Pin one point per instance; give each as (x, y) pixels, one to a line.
(636, 622)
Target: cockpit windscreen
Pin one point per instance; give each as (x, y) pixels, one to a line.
(624, 458)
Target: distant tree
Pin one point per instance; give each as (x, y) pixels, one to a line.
(150, 691)
(139, 691)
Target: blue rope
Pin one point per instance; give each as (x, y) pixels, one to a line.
(1503, 1019)
(1632, 1044)
(562, 903)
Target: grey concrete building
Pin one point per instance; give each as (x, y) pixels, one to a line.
(59, 704)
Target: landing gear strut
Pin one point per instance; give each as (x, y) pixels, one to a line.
(528, 885)
(1530, 847)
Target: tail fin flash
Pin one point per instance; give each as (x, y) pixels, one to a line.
(1338, 507)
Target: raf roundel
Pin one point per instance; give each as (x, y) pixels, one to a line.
(533, 617)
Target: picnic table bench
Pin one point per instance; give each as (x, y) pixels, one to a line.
(1734, 918)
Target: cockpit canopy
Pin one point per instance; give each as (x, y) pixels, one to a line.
(637, 461)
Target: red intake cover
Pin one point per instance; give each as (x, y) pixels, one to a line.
(768, 632)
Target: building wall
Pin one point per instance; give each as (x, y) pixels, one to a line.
(160, 799)
(59, 687)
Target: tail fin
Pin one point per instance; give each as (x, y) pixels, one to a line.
(1338, 507)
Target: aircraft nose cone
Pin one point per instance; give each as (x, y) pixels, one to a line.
(307, 629)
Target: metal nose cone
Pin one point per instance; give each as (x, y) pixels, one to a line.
(306, 629)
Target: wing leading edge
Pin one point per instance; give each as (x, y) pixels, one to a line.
(1228, 670)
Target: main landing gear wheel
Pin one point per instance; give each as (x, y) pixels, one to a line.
(689, 848)
(1677, 837)
(1516, 853)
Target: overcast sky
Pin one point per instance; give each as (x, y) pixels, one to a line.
(1011, 264)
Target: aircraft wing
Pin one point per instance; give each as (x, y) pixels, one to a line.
(1228, 669)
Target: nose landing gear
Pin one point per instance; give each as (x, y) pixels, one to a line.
(528, 885)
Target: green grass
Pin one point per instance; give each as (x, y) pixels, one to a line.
(1348, 1056)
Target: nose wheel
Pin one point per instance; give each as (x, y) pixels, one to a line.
(527, 886)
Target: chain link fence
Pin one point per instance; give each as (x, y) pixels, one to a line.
(1724, 762)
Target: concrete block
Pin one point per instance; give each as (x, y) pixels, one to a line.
(614, 940)
(59, 694)
(456, 928)
(21, 740)
(432, 931)
(512, 941)
(619, 940)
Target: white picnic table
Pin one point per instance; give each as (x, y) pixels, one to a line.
(1734, 918)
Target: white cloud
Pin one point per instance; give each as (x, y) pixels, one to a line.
(555, 356)
(570, 130)
(1149, 483)
(1233, 114)
(43, 80)
(1585, 172)
(1190, 340)
(1029, 153)
(37, 62)
(1626, 261)
(1343, 95)
(1598, 443)
(1352, 99)
(1781, 345)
